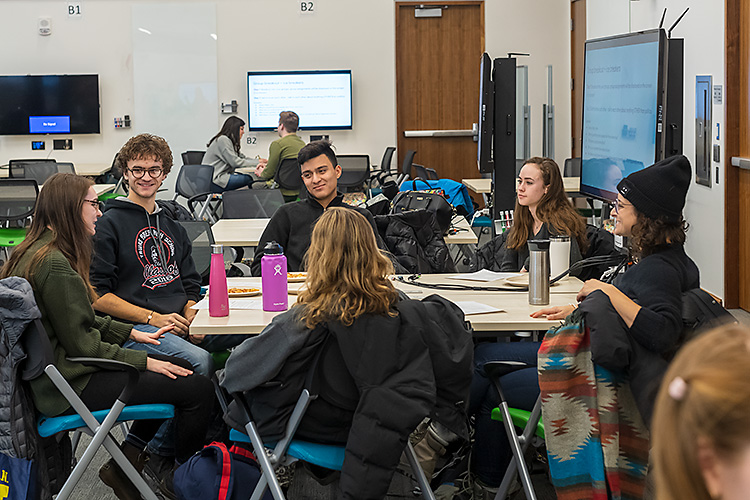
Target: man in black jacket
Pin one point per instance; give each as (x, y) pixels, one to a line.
(291, 225)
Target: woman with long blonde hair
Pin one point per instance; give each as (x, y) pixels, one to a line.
(397, 360)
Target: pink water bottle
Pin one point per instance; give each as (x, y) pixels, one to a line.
(273, 277)
(218, 296)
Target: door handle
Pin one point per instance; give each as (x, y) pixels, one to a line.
(743, 163)
(439, 133)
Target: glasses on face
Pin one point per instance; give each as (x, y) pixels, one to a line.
(619, 205)
(153, 172)
(96, 204)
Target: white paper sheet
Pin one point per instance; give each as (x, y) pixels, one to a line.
(484, 275)
(472, 307)
(234, 304)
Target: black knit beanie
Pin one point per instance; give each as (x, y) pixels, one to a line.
(659, 190)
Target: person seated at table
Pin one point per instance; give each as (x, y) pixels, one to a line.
(701, 438)
(647, 298)
(288, 146)
(542, 210)
(54, 258)
(407, 358)
(291, 225)
(144, 274)
(225, 155)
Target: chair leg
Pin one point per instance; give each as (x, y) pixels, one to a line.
(422, 481)
(268, 476)
(517, 461)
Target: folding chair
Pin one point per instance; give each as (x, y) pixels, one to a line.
(289, 449)
(97, 424)
(529, 421)
(194, 184)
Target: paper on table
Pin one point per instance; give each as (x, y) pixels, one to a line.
(240, 283)
(483, 275)
(472, 307)
(234, 304)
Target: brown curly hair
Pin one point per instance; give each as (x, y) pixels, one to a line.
(654, 235)
(145, 146)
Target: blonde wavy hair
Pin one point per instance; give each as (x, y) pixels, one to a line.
(347, 275)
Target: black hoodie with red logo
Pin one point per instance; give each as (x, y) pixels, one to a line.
(128, 261)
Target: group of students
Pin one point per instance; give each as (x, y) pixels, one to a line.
(133, 264)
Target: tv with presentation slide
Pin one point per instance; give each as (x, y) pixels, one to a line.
(49, 104)
(322, 99)
(624, 100)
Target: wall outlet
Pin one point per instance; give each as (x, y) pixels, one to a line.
(62, 144)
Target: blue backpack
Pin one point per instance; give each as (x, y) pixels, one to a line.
(218, 473)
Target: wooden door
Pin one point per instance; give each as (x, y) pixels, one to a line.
(737, 184)
(437, 83)
(577, 46)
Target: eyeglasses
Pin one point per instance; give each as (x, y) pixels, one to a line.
(96, 204)
(619, 205)
(152, 172)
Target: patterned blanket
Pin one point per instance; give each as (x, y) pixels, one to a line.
(597, 444)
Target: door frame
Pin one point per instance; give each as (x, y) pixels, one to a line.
(736, 96)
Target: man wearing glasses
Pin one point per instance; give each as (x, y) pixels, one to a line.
(143, 270)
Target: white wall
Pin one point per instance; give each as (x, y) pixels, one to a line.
(703, 31)
(269, 35)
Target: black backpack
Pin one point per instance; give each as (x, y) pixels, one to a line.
(700, 312)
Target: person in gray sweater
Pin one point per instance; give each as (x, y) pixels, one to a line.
(224, 155)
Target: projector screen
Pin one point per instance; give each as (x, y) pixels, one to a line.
(322, 99)
(622, 109)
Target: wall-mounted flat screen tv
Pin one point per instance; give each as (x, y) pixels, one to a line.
(322, 99)
(623, 109)
(49, 104)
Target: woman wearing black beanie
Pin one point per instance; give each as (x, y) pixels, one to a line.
(648, 297)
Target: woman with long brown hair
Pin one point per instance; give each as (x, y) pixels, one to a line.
(401, 359)
(54, 258)
(542, 210)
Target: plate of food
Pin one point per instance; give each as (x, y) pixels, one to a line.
(296, 277)
(243, 292)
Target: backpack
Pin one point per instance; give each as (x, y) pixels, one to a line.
(175, 211)
(218, 473)
(701, 311)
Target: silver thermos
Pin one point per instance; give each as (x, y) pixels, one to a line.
(538, 272)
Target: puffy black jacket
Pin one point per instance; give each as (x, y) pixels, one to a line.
(416, 241)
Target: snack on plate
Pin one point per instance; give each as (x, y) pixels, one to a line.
(292, 277)
(243, 290)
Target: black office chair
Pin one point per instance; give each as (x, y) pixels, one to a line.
(355, 170)
(192, 157)
(288, 175)
(251, 203)
(572, 167)
(201, 239)
(17, 201)
(194, 184)
(426, 173)
(406, 167)
(66, 167)
(40, 169)
(385, 168)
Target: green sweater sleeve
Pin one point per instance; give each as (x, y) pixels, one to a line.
(274, 156)
(70, 315)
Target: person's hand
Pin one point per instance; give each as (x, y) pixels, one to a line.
(166, 368)
(149, 337)
(588, 287)
(262, 162)
(181, 324)
(189, 313)
(196, 339)
(259, 170)
(554, 312)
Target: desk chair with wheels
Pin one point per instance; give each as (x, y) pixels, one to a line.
(288, 448)
(39, 170)
(406, 167)
(251, 203)
(529, 422)
(201, 239)
(192, 157)
(97, 424)
(384, 171)
(194, 184)
(17, 202)
(66, 167)
(288, 175)
(355, 170)
(426, 173)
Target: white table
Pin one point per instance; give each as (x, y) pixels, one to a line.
(464, 234)
(104, 188)
(515, 304)
(484, 186)
(239, 232)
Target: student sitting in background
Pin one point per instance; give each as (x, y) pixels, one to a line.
(224, 155)
(701, 429)
(54, 258)
(281, 149)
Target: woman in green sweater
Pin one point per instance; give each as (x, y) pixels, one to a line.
(55, 258)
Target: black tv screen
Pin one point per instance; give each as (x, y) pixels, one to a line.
(623, 109)
(322, 99)
(49, 104)
(486, 115)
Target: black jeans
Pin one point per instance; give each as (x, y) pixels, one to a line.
(192, 396)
